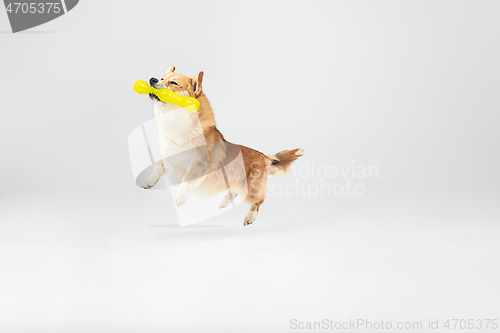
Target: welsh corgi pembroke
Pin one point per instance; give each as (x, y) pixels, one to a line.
(193, 151)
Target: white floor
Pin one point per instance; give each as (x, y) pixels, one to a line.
(119, 263)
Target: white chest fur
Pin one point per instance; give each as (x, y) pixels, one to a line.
(178, 131)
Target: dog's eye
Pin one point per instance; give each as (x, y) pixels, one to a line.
(174, 83)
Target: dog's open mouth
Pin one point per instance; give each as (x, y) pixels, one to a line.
(154, 97)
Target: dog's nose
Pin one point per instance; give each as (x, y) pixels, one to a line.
(153, 81)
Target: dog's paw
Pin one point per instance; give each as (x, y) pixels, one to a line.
(149, 183)
(250, 218)
(182, 194)
(228, 198)
(180, 201)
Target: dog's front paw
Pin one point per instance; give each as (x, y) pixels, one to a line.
(180, 201)
(149, 183)
(182, 194)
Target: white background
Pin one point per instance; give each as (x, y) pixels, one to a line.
(410, 87)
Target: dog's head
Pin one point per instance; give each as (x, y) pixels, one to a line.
(178, 83)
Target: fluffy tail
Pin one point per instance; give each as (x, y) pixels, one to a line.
(282, 160)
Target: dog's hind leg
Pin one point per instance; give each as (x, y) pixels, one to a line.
(257, 179)
(252, 214)
(228, 198)
(158, 171)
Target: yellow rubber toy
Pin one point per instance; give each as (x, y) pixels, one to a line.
(166, 95)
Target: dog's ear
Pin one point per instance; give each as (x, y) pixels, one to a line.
(171, 69)
(196, 83)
